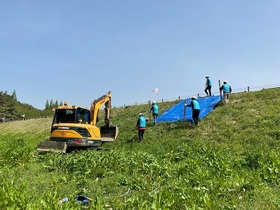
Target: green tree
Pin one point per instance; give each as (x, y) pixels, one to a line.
(47, 105)
(56, 104)
(14, 95)
(51, 104)
(8, 103)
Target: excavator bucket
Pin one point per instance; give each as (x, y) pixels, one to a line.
(53, 146)
(109, 133)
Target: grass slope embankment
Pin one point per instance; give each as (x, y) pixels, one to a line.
(31, 130)
(230, 161)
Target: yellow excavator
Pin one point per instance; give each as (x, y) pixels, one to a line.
(75, 127)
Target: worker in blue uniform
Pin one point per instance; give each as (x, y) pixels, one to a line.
(141, 126)
(154, 110)
(226, 88)
(208, 86)
(195, 109)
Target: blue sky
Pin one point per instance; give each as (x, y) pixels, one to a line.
(76, 51)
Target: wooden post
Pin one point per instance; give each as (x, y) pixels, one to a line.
(150, 106)
(219, 89)
(248, 88)
(185, 105)
(185, 111)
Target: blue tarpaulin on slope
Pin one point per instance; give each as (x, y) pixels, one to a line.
(178, 112)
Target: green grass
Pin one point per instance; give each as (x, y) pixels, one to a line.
(230, 161)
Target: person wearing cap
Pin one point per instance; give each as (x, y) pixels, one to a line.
(195, 109)
(141, 126)
(208, 86)
(154, 110)
(226, 88)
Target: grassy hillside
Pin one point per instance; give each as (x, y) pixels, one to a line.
(230, 161)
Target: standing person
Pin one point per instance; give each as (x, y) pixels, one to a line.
(141, 125)
(154, 110)
(226, 88)
(208, 86)
(195, 109)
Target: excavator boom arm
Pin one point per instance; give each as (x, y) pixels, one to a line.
(95, 106)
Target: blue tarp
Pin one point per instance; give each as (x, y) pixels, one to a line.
(178, 112)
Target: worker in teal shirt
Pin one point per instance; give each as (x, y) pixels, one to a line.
(141, 125)
(208, 86)
(154, 110)
(195, 109)
(226, 88)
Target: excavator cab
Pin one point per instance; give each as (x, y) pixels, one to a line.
(72, 115)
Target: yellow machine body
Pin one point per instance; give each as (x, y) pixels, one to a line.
(75, 126)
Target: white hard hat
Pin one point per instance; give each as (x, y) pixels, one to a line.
(207, 76)
(225, 81)
(153, 102)
(140, 114)
(193, 97)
